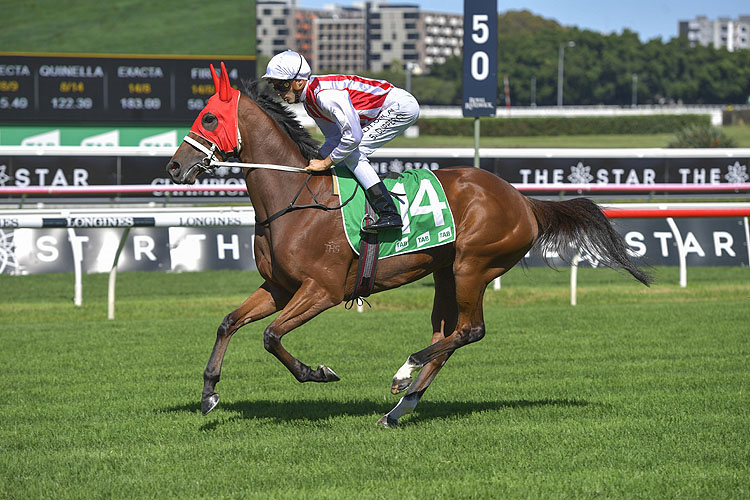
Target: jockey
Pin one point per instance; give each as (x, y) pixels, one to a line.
(356, 115)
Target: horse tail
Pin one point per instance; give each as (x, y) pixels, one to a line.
(580, 223)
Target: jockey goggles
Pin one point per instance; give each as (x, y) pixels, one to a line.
(283, 86)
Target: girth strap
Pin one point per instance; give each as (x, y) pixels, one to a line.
(368, 258)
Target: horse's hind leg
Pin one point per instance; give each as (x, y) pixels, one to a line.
(444, 317)
(470, 289)
(416, 390)
(264, 301)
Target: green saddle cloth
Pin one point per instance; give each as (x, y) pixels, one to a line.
(427, 217)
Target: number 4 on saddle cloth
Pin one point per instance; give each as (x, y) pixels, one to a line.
(426, 215)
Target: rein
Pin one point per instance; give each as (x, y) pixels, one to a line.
(292, 207)
(211, 161)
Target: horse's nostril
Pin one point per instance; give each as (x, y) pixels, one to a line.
(173, 166)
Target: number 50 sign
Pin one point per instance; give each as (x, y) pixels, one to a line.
(480, 57)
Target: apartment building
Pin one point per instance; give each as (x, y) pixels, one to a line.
(275, 26)
(304, 33)
(732, 34)
(392, 34)
(370, 36)
(339, 44)
(441, 37)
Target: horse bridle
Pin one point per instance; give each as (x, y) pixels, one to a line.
(211, 161)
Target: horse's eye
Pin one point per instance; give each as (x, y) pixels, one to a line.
(210, 122)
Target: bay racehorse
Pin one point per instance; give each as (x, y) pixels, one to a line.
(308, 265)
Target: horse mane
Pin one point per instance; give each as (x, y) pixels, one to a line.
(284, 116)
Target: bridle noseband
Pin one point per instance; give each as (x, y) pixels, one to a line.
(211, 160)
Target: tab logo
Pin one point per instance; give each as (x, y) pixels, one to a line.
(402, 244)
(423, 239)
(445, 234)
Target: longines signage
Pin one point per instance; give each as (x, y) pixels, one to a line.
(707, 242)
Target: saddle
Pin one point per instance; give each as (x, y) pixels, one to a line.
(427, 220)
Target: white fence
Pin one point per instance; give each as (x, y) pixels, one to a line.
(715, 112)
(168, 151)
(126, 219)
(245, 216)
(131, 217)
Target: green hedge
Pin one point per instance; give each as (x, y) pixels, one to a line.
(586, 125)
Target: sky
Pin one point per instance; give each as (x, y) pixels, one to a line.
(649, 18)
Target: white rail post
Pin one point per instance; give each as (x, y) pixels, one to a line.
(113, 276)
(76, 244)
(496, 284)
(681, 251)
(574, 278)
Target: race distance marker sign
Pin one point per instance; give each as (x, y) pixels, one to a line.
(94, 88)
(480, 58)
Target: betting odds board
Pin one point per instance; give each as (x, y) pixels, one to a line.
(94, 88)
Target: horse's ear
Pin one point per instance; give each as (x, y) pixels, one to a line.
(215, 78)
(226, 87)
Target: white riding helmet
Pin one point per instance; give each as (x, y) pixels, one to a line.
(288, 65)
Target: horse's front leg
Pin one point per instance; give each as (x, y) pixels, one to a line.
(310, 300)
(265, 301)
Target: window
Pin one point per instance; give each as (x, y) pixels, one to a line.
(278, 22)
(266, 12)
(386, 46)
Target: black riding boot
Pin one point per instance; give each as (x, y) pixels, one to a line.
(381, 201)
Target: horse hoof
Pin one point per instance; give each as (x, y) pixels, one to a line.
(328, 374)
(386, 422)
(209, 403)
(400, 385)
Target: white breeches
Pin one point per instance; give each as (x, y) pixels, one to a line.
(400, 111)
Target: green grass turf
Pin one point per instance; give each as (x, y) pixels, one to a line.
(634, 393)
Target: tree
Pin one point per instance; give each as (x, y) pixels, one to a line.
(599, 69)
